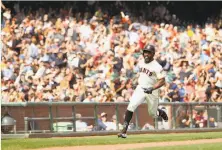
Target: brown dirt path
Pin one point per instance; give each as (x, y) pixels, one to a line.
(136, 145)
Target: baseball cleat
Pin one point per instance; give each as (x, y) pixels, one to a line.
(122, 135)
(163, 115)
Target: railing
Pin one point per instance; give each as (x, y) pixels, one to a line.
(173, 111)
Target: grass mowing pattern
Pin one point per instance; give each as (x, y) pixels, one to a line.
(213, 146)
(20, 144)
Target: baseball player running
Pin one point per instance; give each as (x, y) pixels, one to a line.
(150, 78)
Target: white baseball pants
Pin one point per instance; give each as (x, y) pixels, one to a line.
(139, 97)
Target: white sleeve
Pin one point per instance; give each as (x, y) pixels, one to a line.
(160, 74)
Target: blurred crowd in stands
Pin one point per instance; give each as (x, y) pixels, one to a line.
(60, 54)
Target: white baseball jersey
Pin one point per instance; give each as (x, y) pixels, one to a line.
(148, 76)
(149, 73)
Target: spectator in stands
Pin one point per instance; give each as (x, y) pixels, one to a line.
(58, 53)
(79, 88)
(101, 122)
(112, 125)
(184, 120)
(212, 122)
(200, 89)
(147, 126)
(88, 98)
(81, 125)
(200, 120)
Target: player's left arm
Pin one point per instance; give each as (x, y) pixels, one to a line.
(161, 81)
(161, 74)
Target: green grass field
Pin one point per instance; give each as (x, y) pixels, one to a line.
(21, 144)
(214, 146)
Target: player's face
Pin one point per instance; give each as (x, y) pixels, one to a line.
(148, 56)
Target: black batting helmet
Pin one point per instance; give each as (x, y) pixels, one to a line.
(149, 48)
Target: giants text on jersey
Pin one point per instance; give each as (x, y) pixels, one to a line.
(149, 73)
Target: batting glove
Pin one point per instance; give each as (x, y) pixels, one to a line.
(148, 90)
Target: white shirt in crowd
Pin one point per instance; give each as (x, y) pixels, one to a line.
(85, 31)
(218, 76)
(110, 125)
(133, 37)
(81, 126)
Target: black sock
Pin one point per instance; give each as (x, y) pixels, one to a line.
(128, 117)
(160, 112)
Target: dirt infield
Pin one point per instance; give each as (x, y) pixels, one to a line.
(135, 146)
